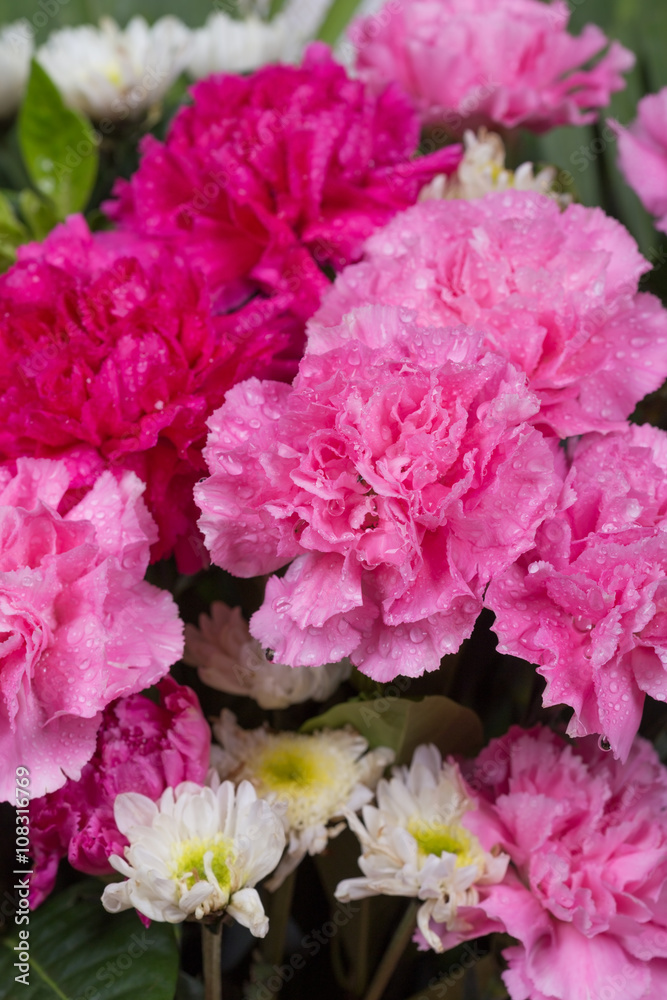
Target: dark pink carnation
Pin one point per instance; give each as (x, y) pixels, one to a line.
(507, 63)
(400, 473)
(555, 292)
(642, 155)
(267, 178)
(589, 602)
(586, 894)
(109, 358)
(79, 626)
(141, 747)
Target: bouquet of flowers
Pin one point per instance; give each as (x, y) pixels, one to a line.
(333, 505)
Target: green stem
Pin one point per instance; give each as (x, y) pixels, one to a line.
(361, 963)
(211, 949)
(393, 954)
(281, 907)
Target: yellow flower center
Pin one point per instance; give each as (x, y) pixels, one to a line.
(294, 766)
(113, 73)
(445, 838)
(188, 860)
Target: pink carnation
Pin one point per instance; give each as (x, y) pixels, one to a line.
(109, 358)
(79, 627)
(555, 292)
(267, 178)
(141, 747)
(642, 153)
(589, 602)
(586, 896)
(400, 473)
(507, 63)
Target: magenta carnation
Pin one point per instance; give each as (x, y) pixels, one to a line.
(141, 747)
(266, 178)
(399, 473)
(589, 602)
(586, 895)
(507, 63)
(555, 292)
(642, 154)
(109, 358)
(79, 626)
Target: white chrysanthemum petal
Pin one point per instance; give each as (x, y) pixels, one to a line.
(197, 856)
(246, 908)
(482, 170)
(229, 659)
(311, 780)
(231, 45)
(133, 809)
(16, 45)
(116, 896)
(115, 73)
(414, 843)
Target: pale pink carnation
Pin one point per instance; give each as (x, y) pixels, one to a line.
(399, 473)
(110, 357)
(586, 893)
(589, 602)
(507, 63)
(141, 747)
(642, 155)
(79, 626)
(555, 292)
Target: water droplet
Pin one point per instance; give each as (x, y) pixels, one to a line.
(604, 744)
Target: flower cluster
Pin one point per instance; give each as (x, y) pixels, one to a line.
(120, 73)
(141, 747)
(585, 893)
(389, 472)
(229, 659)
(310, 780)
(111, 358)
(416, 843)
(588, 602)
(196, 852)
(264, 180)
(491, 62)
(642, 151)
(79, 626)
(555, 291)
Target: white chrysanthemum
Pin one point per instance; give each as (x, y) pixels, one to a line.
(229, 659)
(117, 73)
(415, 844)
(15, 54)
(196, 851)
(482, 170)
(310, 780)
(229, 45)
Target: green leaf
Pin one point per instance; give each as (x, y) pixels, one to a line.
(58, 146)
(77, 950)
(338, 17)
(12, 234)
(275, 8)
(38, 214)
(403, 724)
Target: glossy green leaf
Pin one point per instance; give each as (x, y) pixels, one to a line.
(78, 950)
(338, 17)
(403, 724)
(58, 146)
